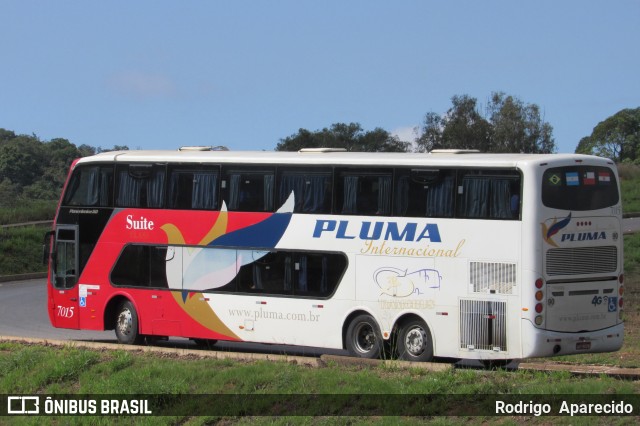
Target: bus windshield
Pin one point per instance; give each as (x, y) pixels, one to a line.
(579, 188)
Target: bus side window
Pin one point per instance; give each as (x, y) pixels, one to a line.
(90, 187)
(318, 274)
(140, 185)
(364, 192)
(484, 195)
(193, 189)
(249, 191)
(312, 190)
(290, 273)
(424, 193)
(141, 266)
(272, 274)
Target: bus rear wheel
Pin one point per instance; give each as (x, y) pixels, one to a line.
(127, 324)
(364, 339)
(414, 341)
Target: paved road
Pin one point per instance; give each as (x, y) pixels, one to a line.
(23, 313)
(631, 225)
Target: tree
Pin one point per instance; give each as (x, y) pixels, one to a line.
(34, 169)
(617, 137)
(517, 127)
(511, 126)
(6, 135)
(60, 154)
(21, 160)
(462, 127)
(86, 150)
(340, 135)
(115, 148)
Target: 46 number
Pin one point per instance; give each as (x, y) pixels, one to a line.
(597, 300)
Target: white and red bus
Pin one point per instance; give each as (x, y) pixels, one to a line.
(448, 254)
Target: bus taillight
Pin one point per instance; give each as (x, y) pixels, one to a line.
(539, 298)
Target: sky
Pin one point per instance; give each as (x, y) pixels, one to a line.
(159, 74)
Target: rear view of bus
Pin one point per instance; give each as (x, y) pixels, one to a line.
(573, 301)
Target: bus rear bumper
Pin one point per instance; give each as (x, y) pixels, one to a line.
(544, 343)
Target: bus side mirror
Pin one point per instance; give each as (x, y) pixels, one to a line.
(47, 251)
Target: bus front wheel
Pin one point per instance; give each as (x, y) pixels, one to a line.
(414, 342)
(127, 324)
(364, 339)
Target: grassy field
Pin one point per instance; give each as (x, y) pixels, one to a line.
(21, 249)
(630, 187)
(357, 390)
(27, 212)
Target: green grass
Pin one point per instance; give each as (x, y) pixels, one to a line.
(32, 369)
(21, 249)
(630, 187)
(28, 211)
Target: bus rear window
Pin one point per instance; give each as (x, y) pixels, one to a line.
(579, 188)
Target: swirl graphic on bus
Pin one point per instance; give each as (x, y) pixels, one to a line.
(396, 282)
(548, 232)
(202, 268)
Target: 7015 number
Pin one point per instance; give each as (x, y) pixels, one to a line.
(66, 311)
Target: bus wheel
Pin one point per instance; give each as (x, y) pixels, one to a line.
(414, 342)
(127, 324)
(364, 339)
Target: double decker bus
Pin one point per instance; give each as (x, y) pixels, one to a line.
(448, 254)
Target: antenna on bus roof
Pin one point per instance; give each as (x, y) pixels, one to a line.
(321, 150)
(203, 148)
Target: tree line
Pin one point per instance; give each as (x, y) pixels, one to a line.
(508, 125)
(33, 169)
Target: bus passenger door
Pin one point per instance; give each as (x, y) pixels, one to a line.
(65, 302)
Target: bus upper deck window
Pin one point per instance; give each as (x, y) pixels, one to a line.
(140, 185)
(90, 187)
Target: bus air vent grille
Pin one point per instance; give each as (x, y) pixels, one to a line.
(582, 260)
(492, 277)
(483, 325)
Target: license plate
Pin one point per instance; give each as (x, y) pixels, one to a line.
(583, 346)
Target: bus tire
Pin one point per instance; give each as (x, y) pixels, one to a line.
(126, 324)
(414, 341)
(363, 339)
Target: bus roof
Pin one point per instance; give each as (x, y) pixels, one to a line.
(332, 157)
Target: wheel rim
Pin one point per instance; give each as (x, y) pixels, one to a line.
(364, 338)
(125, 322)
(415, 341)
